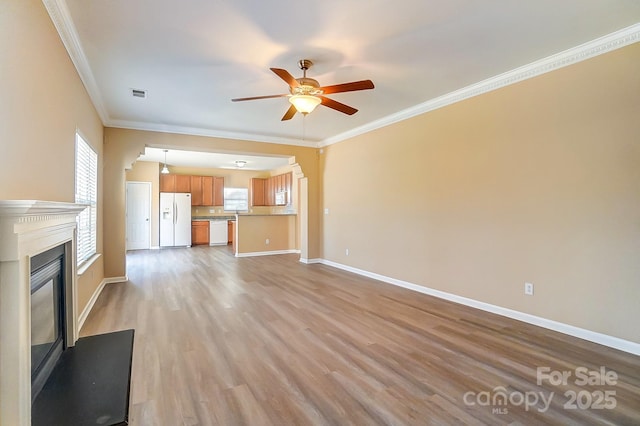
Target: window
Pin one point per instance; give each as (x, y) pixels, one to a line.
(86, 193)
(236, 199)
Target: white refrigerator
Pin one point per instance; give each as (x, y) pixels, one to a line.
(175, 219)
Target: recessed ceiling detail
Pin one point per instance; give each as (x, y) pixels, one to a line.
(196, 57)
(211, 160)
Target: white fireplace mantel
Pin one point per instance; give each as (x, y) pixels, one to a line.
(28, 228)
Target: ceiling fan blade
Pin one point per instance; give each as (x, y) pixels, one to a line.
(289, 114)
(348, 87)
(288, 78)
(253, 98)
(338, 106)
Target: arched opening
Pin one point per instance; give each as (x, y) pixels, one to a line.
(181, 161)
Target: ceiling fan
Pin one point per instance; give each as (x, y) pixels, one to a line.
(306, 93)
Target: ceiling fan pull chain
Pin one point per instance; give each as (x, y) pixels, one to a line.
(304, 127)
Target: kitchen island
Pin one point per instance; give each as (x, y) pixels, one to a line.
(264, 234)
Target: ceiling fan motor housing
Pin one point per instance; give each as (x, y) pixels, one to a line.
(308, 86)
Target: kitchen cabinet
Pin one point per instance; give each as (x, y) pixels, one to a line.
(218, 191)
(167, 183)
(175, 183)
(257, 191)
(230, 231)
(207, 190)
(288, 184)
(183, 183)
(196, 191)
(269, 192)
(280, 183)
(263, 191)
(202, 190)
(200, 232)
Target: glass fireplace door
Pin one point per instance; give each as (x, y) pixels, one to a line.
(47, 325)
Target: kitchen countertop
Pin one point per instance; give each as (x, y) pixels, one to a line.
(240, 214)
(267, 214)
(213, 218)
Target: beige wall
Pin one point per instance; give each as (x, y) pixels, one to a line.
(538, 181)
(123, 146)
(42, 103)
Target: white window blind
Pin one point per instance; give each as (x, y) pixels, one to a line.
(86, 193)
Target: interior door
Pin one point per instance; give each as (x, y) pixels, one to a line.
(138, 215)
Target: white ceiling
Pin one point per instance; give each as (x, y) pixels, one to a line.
(194, 56)
(185, 158)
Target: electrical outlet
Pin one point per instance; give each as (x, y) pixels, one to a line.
(528, 289)
(326, 211)
(267, 241)
(210, 210)
(346, 252)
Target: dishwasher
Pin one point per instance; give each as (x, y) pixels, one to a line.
(218, 232)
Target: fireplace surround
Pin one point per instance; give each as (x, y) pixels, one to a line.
(29, 228)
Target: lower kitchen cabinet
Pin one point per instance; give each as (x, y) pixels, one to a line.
(199, 232)
(231, 230)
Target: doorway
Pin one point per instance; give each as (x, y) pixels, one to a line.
(138, 215)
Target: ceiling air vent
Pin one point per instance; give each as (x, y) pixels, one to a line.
(137, 93)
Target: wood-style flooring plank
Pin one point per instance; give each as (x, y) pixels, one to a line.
(268, 340)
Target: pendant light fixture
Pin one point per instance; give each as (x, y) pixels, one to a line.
(165, 169)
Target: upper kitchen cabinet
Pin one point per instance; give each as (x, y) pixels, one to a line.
(263, 191)
(175, 183)
(269, 192)
(183, 183)
(257, 191)
(207, 191)
(196, 191)
(218, 191)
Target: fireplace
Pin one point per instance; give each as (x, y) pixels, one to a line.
(38, 298)
(47, 315)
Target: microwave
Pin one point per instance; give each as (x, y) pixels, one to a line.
(281, 198)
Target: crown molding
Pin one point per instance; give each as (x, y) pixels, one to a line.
(61, 17)
(599, 46)
(195, 131)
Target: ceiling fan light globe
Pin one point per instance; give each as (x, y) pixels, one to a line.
(304, 103)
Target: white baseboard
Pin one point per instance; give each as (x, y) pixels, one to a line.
(94, 297)
(114, 280)
(310, 261)
(581, 333)
(266, 253)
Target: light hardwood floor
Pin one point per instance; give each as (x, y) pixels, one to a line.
(267, 340)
